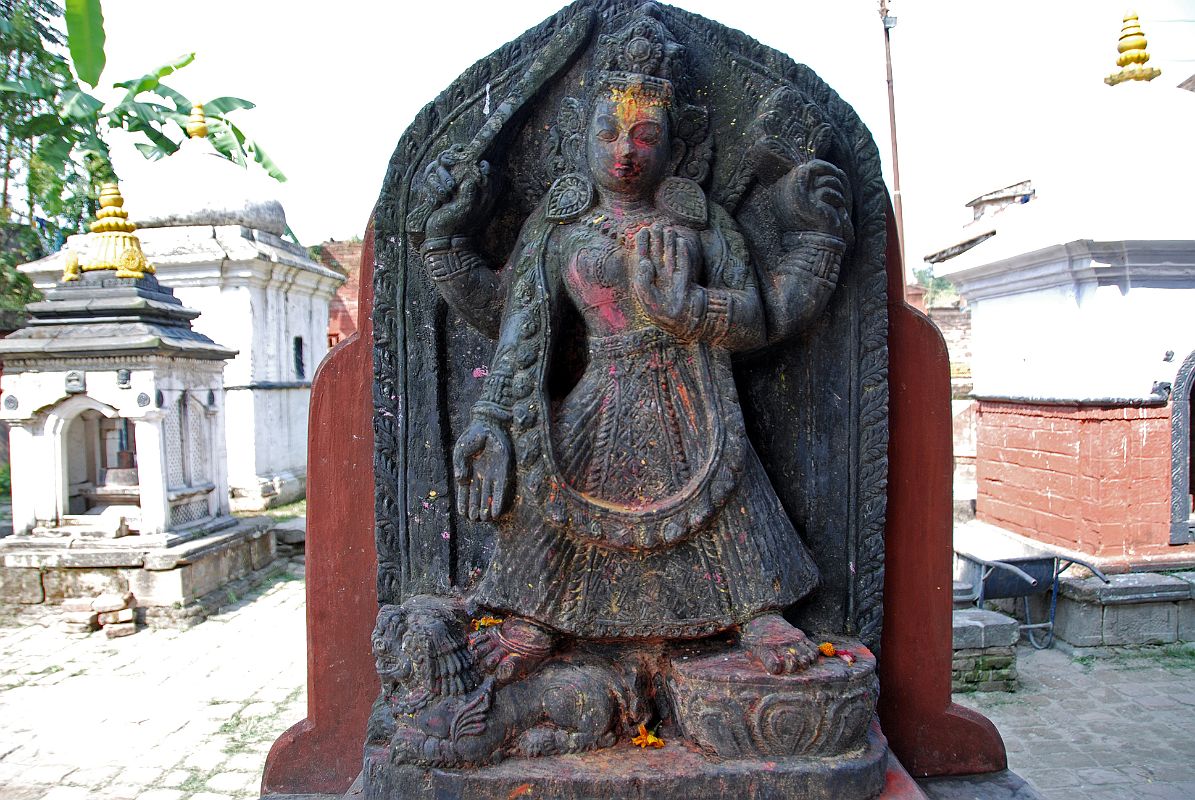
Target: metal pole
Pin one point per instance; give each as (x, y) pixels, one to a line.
(889, 24)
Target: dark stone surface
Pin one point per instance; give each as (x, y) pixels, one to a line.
(681, 430)
(630, 773)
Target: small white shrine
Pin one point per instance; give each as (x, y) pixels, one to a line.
(115, 405)
(116, 408)
(214, 235)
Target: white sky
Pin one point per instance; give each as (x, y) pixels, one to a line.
(984, 91)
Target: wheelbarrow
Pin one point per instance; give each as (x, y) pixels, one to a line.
(998, 567)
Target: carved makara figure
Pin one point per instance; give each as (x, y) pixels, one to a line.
(630, 512)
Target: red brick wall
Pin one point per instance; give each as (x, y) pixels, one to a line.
(1095, 480)
(343, 257)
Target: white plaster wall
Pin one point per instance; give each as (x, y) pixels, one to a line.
(1077, 343)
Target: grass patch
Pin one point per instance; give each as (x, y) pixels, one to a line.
(288, 511)
(50, 670)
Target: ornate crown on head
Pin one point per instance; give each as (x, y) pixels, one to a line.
(640, 58)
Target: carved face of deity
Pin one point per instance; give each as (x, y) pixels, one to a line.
(628, 143)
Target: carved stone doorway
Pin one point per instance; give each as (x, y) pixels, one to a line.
(1182, 455)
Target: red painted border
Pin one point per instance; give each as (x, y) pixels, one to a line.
(927, 732)
(323, 752)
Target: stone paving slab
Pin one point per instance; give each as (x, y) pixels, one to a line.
(159, 715)
(1117, 726)
(191, 714)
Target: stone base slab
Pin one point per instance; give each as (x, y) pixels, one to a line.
(172, 586)
(631, 773)
(1132, 610)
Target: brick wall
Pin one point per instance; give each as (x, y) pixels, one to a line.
(1096, 480)
(343, 257)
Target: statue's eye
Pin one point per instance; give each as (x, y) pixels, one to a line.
(607, 134)
(647, 133)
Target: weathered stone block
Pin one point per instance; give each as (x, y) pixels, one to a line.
(978, 628)
(77, 604)
(1137, 587)
(63, 583)
(120, 629)
(262, 550)
(1186, 621)
(113, 617)
(1140, 623)
(80, 618)
(112, 601)
(1080, 624)
(21, 585)
(291, 531)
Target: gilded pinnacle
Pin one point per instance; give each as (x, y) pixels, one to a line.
(113, 243)
(197, 122)
(1133, 54)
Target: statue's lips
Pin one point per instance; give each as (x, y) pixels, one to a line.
(624, 170)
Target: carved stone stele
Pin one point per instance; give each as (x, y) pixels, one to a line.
(631, 424)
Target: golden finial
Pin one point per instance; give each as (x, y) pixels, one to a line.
(113, 243)
(1133, 54)
(197, 122)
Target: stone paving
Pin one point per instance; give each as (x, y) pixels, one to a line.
(159, 715)
(190, 715)
(1100, 727)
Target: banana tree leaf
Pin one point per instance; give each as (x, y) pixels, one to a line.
(222, 105)
(54, 151)
(253, 149)
(26, 86)
(80, 106)
(151, 80)
(181, 103)
(156, 137)
(225, 142)
(39, 126)
(85, 38)
(150, 152)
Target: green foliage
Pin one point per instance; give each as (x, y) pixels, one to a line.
(52, 131)
(938, 291)
(85, 37)
(5, 481)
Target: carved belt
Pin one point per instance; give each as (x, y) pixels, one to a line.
(607, 348)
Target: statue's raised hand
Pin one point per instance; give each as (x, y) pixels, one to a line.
(662, 270)
(815, 196)
(457, 187)
(482, 465)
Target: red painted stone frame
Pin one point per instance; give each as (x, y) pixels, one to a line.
(927, 732)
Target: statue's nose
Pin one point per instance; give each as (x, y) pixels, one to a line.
(624, 146)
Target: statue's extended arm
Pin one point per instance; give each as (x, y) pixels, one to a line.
(812, 206)
(463, 278)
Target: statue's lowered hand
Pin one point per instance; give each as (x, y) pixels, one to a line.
(483, 466)
(815, 196)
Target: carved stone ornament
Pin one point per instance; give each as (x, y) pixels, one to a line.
(630, 424)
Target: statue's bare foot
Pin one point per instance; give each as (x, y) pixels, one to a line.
(777, 646)
(513, 649)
